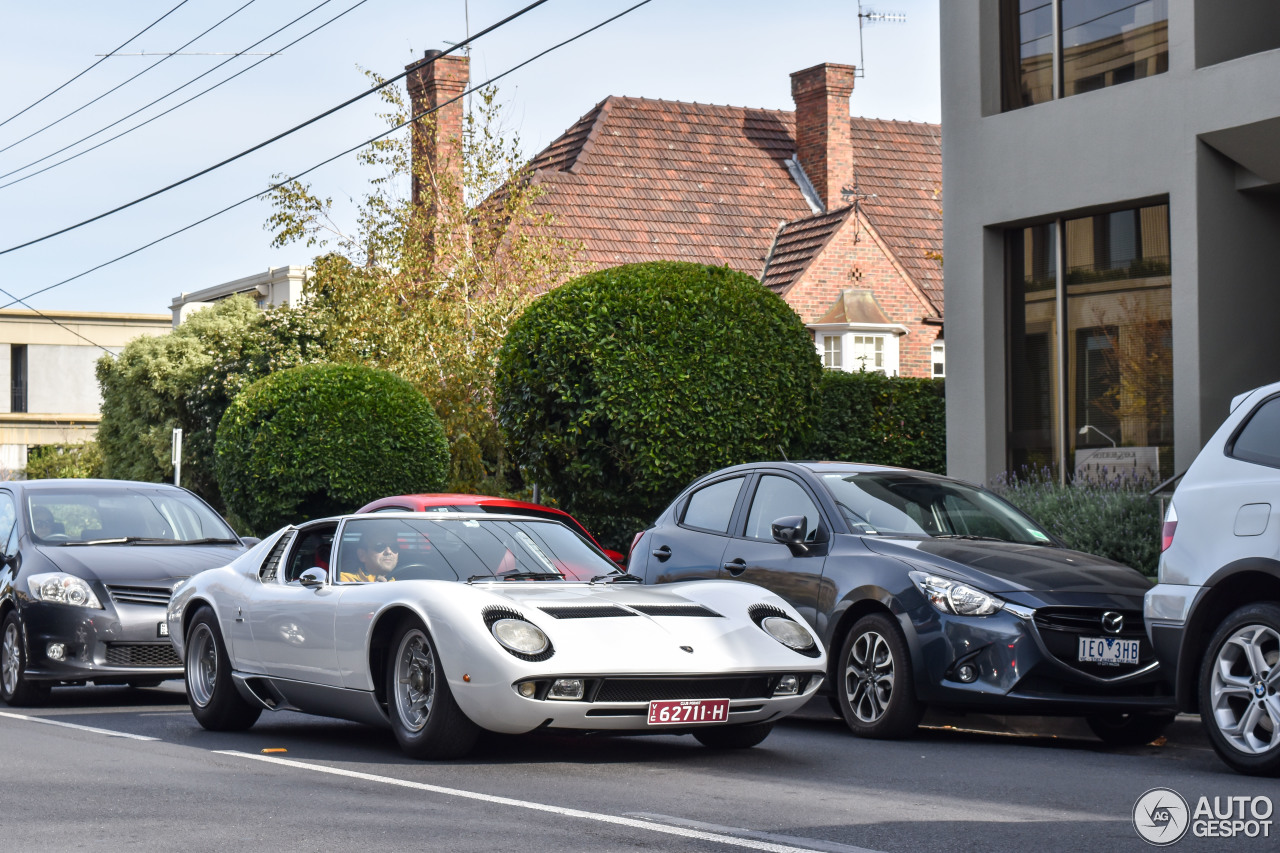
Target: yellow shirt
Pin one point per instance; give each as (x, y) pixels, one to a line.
(361, 577)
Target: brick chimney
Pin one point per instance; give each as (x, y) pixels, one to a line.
(823, 143)
(432, 81)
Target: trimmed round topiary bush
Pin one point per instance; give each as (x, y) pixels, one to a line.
(324, 439)
(619, 387)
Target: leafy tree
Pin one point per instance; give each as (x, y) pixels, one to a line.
(55, 461)
(427, 288)
(185, 379)
(621, 386)
(323, 439)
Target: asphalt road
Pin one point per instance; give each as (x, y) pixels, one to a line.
(107, 769)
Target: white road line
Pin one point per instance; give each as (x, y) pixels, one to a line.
(106, 732)
(634, 823)
(816, 844)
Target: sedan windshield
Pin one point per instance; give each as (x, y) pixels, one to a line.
(896, 504)
(467, 549)
(122, 515)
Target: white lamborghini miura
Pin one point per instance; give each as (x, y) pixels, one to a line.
(487, 622)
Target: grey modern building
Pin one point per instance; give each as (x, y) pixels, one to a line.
(1111, 175)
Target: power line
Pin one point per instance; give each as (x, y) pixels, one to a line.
(42, 315)
(172, 92)
(126, 82)
(364, 144)
(94, 65)
(275, 138)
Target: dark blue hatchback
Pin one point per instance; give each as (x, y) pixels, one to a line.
(926, 591)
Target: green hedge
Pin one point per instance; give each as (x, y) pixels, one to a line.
(870, 417)
(619, 387)
(323, 439)
(1115, 519)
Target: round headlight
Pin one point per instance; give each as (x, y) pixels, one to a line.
(63, 588)
(520, 636)
(787, 632)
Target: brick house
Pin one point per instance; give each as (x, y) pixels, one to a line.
(839, 215)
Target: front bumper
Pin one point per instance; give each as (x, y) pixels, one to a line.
(114, 645)
(1025, 661)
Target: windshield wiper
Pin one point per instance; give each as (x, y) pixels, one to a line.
(519, 576)
(623, 577)
(970, 536)
(152, 540)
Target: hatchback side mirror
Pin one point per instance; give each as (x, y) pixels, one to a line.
(791, 530)
(313, 578)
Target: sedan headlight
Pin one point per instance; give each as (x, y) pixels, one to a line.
(62, 588)
(951, 596)
(520, 636)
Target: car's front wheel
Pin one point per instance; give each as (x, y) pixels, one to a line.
(1240, 690)
(1136, 729)
(212, 695)
(874, 684)
(424, 716)
(733, 737)
(15, 688)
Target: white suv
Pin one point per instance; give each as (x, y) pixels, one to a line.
(1214, 617)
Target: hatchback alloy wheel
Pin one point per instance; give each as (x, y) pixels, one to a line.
(10, 658)
(869, 677)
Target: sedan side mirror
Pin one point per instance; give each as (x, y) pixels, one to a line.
(791, 530)
(313, 578)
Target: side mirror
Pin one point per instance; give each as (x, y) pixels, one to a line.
(790, 531)
(250, 541)
(313, 578)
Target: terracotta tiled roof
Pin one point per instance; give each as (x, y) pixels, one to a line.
(798, 242)
(637, 179)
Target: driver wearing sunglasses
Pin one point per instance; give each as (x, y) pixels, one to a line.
(377, 555)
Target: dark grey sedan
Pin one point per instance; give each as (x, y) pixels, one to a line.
(86, 571)
(926, 591)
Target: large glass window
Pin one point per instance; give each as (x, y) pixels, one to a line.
(1055, 48)
(1098, 398)
(779, 497)
(711, 507)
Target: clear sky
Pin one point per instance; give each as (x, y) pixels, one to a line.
(737, 52)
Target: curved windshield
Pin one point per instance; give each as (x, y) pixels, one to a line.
(460, 549)
(893, 504)
(124, 515)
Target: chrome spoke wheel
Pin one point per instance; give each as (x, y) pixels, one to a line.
(10, 658)
(202, 664)
(868, 676)
(1243, 683)
(414, 681)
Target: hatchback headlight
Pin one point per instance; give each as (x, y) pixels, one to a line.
(62, 588)
(951, 596)
(520, 636)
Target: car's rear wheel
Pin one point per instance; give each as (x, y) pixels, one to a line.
(1135, 729)
(874, 684)
(734, 737)
(15, 688)
(424, 716)
(1240, 690)
(211, 693)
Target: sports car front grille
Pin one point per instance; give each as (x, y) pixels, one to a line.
(648, 689)
(590, 611)
(142, 655)
(1061, 628)
(158, 595)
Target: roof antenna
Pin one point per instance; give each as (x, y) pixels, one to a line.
(784, 454)
(871, 18)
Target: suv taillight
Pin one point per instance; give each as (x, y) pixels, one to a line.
(1167, 530)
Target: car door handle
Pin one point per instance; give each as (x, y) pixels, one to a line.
(663, 554)
(735, 567)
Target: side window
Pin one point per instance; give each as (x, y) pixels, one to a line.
(8, 521)
(711, 507)
(271, 566)
(311, 549)
(775, 498)
(1258, 441)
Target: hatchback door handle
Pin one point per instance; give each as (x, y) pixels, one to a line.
(735, 567)
(663, 553)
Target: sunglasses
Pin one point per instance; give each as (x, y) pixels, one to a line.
(379, 547)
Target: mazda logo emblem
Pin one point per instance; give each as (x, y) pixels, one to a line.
(1112, 622)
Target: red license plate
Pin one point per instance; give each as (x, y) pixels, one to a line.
(676, 712)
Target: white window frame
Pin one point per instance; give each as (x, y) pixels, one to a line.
(831, 348)
(938, 359)
(890, 333)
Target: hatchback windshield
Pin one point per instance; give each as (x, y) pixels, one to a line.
(122, 515)
(891, 504)
(465, 549)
